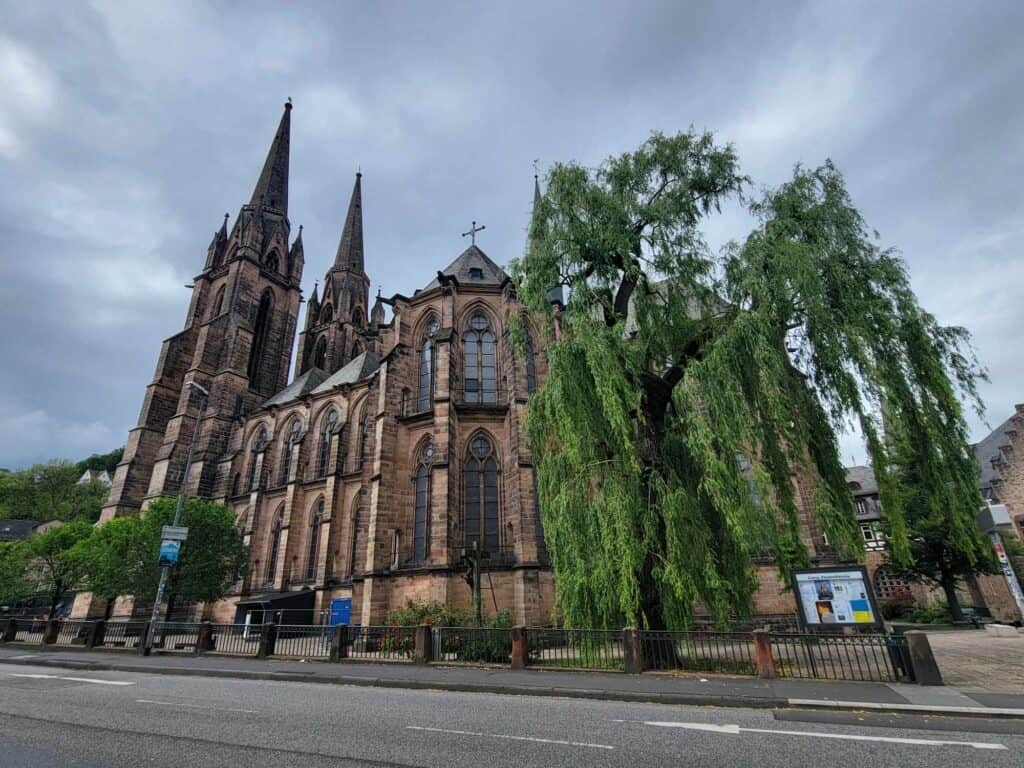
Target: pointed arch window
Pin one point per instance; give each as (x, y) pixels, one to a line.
(275, 544)
(364, 437)
(273, 263)
(314, 539)
(217, 308)
(355, 533)
(531, 366)
(427, 367)
(539, 526)
(326, 432)
(421, 517)
(480, 365)
(259, 335)
(320, 354)
(481, 496)
(259, 443)
(326, 314)
(357, 316)
(287, 449)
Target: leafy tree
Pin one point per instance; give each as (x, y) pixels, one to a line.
(14, 587)
(674, 367)
(102, 461)
(50, 492)
(122, 557)
(53, 561)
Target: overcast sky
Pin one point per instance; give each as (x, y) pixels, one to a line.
(127, 130)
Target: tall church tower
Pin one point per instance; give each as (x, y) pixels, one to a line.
(336, 325)
(236, 343)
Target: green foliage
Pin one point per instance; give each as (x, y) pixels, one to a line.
(121, 558)
(687, 388)
(102, 461)
(435, 614)
(50, 492)
(14, 586)
(53, 563)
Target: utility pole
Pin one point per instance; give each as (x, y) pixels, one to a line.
(477, 586)
(166, 570)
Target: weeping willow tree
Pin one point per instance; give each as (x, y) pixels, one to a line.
(686, 389)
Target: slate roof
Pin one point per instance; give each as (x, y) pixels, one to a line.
(472, 259)
(302, 386)
(990, 448)
(864, 477)
(16, 530)
(356, 370)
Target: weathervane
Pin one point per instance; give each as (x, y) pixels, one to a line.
(472, 232)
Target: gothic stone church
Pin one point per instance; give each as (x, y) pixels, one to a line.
(398, 443)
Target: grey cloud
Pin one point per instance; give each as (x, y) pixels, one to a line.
(126, 131)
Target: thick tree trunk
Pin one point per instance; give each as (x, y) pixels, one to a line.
(54, 600)
(948, 583)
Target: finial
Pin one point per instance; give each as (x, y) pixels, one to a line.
(226, 217)
(300, 229)
(472, 232)
(288, 104)
(378, 291)
(359, 171)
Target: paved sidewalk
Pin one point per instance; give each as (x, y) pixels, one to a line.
(979, 662)
(658, 688)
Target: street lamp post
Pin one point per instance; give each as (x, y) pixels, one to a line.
(166, 570)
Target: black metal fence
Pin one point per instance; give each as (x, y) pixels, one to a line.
(576, 648)
(473, 644)
(857, 657)
(699, 651)
(868, 658)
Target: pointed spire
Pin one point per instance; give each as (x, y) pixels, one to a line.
(536, 191)
(350, 249)
(314, 299)
(297, 243)
(272, 189)
(377, 313)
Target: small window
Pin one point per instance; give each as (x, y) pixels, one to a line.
(868, 532)
(476, 273)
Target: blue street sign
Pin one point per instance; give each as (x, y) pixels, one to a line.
(169, 549)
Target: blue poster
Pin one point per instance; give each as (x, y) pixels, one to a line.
(341, 611)
(169, 553)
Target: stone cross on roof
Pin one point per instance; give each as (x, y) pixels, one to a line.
(472, 232)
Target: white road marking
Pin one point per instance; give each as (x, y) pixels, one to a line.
(735, 730)
(512, 738)
(75, 679)
(25, 656)
(194, 706)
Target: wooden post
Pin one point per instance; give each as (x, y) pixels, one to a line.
(632, 651)
(520, 649)
(763, 654)
(922, 660)
(422, 650)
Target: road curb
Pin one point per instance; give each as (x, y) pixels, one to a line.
(702, 700)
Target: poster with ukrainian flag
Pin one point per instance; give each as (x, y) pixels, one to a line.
(835, 596)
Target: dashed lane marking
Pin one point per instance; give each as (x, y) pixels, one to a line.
(75, 679)
(509, 737)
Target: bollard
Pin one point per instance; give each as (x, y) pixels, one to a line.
(422, 651)
(96, 632)
(10, 632)
(268, 639)
(520, 648)
(632, 651)
(922, 660)
(763, 654)
(51, 631)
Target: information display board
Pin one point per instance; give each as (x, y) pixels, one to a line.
(839, 597)
(169, 550)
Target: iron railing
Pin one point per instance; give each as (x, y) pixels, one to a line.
(381, 643)
(576, 648)
(474, 644)
(729, 652)
(235, 639)
(176, 636)
(868, 658)
(123, 634)
(304, 640)
(73, 632)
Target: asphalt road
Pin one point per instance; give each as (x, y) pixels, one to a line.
(58, 717)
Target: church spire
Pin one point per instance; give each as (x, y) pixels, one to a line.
(272, 189)
(350, 249)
